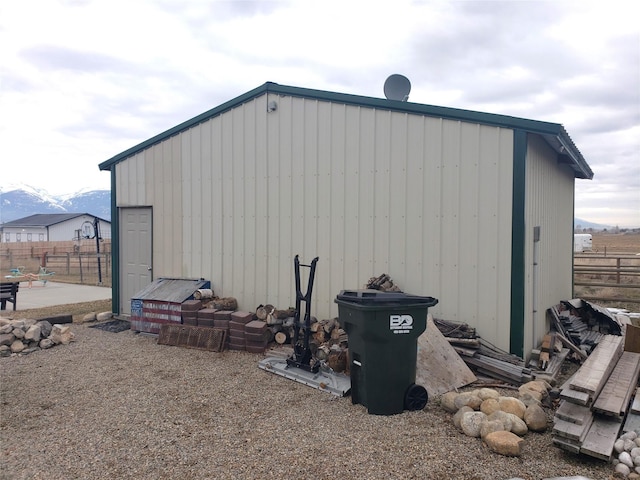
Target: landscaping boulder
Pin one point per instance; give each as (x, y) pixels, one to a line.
(489, 426)
(486, 393)
(17, 346)
(504, 443)
(471, 422)
(535, 418)
(512, 405)
(447, 401)
(33, 333)
(61, 334)
(489, 406)
(518, 425)
(469, 399)
(457, 417)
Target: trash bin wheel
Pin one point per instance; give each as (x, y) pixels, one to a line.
(416, 397)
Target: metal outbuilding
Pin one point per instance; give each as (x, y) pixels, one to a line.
(472, 208)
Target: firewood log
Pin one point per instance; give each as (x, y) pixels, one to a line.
(330, 325)
(322, 353)
(282, 337)
(376, 282)
(275, 329)
(271, 320)
(320, 336)
(288, 322)
(337, 360)
(289, 312)
(261, 312)
(336, 333)
(225, 303)
(269, 335)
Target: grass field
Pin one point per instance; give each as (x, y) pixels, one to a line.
(618, 256)
(616, 243)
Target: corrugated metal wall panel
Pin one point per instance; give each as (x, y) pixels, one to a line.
(425, 200)
(549, 189)
(494, 233)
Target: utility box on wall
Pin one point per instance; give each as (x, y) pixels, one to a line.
(161, 302)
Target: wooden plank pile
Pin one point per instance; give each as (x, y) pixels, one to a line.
(573, 329)
(483, 358)
(595, 400)
(548, 359)
(577, 327)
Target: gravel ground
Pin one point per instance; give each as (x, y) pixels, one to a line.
(118, 405)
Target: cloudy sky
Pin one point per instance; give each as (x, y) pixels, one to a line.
(83, 80)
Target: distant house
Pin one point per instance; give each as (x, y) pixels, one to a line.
(51, 227)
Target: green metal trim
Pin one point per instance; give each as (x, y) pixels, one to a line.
(573, 231)
(115, 247)
(554, 130)
(581, 167)
(516, 335)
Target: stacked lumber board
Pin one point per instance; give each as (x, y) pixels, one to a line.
(481, 357)
(615, 396)
(499, 369)
(632, 422)
(595, 400)
(548, 359)
(573, 331)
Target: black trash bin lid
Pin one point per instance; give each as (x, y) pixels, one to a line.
(376, 297)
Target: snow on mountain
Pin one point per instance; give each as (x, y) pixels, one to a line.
(19, 201)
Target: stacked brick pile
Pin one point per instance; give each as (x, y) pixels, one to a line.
(256, 338)
(189, 311)
(244, 332)
(239, 320)
(221, 320)
(206, 317)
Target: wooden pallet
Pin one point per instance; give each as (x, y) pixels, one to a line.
(201, 338)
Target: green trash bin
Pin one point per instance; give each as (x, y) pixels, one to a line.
(383, 329)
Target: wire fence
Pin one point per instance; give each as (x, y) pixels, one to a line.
(83, 261)
(608, 277)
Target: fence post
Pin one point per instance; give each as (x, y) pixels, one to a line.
(618, 271)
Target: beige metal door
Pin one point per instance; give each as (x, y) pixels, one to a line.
(135, 254)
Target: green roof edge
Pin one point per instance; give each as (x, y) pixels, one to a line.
(534, 126)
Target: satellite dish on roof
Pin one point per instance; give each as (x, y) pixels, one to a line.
(397, 87)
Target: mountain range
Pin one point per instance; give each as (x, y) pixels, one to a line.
(22, 201)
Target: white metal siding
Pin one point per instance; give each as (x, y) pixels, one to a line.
(425, 200)
(549, 204)
(24, 233)
(67, 230)
(153, 177)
